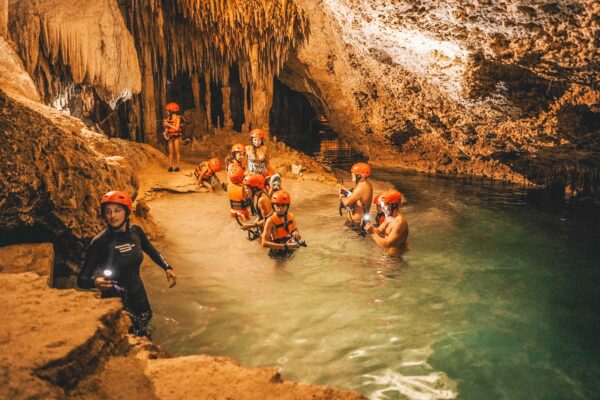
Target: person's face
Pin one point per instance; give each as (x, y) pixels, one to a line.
(387, 208)
(239, 155)
(114, 214)
(280, 208)
(256, 141)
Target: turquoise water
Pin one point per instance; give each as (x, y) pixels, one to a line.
(496, 299)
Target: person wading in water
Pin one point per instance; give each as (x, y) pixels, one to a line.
(393, 231)
(113, 260)
(358, 201)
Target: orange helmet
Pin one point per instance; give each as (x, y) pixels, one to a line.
(376, 199)
(259, 133)
(238, 148)
(255, 180)
(215, 164)
(117, 197)
(172, 107)
(361, 169)
(236, 174)
(281, 197)
(391, 197)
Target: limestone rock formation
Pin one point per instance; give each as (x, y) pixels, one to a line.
(474, 87)
(13, 77)
(50, 338)
(82, 42)
(28, 257)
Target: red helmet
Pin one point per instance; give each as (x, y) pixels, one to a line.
(215, 164)
(117, 197)
(376, 199)
(238, 148)
(361, 169)
(172, 107)
(258, 133)
(281, 197)
(236, 174)
(391, 197)
(255, 180)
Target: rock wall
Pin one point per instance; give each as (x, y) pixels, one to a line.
(496, 89)
(55, 170)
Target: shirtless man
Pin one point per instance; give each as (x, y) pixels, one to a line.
(393, 232)
(358, 201)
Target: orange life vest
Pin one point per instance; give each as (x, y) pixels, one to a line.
(207, 174)
(283, 227)
(174, 120)
(236, 195)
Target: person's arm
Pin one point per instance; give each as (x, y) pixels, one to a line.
(387, 241)
(354, 197)
(85, 279)
(155, 255)
(149, 249)
(296, 231)
(266, 208)
(175, 125)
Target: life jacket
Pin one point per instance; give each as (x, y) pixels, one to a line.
(173, 121)
(207, 174)
(379, 218)
(237, 198)
(283, 226)
(256, 209)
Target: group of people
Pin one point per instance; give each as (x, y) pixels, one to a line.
(389, 229)
(257, 202)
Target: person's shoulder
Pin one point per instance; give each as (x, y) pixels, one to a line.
(99, 237)
(136, 229)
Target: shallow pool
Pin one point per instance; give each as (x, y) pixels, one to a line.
(496, 299)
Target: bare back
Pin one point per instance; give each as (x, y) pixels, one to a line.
(360, 201)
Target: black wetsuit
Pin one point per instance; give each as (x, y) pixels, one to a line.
(121, 252)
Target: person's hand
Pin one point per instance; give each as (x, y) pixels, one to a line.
(245, 227)
(171, 278)
(292, 244)
(103, 283)
(343, 191)
(369, 228)
(296, 235)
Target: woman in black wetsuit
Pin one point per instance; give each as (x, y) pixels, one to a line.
(112, 263)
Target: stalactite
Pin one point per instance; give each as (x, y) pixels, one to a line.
(93, 48)
(209, 121)
(207, 37)
(226, 90)
(3, 18)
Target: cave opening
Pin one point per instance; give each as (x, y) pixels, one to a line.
(298, 120)
(236, 101)
(179, 90)
(217, 115)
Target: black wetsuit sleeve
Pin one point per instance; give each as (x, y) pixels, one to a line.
(151, 250)
(92, 257)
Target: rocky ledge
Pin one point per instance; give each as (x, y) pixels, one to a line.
(57, 344)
